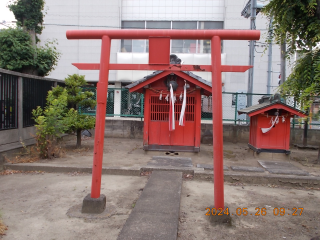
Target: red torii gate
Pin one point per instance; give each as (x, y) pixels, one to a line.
(159, 52)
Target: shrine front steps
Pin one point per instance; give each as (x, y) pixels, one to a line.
(156, 213)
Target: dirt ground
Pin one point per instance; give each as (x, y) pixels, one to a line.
(35, 206)
(194, 224)
(124, 152)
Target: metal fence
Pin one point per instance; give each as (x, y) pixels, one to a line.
(19, 95)
(35, 92)
(231, 103)
(122, 103)
(8, 101)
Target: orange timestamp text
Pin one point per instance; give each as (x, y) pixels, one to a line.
(295, 211)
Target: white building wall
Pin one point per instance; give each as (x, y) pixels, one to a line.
(179, 10)
(80, 14)
(98, 14)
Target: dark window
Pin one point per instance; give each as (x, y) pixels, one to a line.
(159, 25)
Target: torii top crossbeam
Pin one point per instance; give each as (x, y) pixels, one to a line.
(172, 34)
(159, 52)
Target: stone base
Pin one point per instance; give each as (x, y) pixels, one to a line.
(94, 205)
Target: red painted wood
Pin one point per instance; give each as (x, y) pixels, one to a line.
(217, 122)
(102, 91)
(197, 130)
(146, 118)
(224, 34)
(278, 106)
(159, 133)
(160, 67)
(277, 138)
(159, 55)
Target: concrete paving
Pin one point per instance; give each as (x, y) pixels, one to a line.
(164, 161)
(156, 213)
(282, 168)
(247, 169)
(210, 166)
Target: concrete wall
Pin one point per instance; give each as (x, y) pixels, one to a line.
(231, 133)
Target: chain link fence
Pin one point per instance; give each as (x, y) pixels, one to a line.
(122, 103)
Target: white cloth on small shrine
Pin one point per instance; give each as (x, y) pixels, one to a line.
(171, 111)
(273, 122)
(183, 108)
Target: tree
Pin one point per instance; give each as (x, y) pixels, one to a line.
(50, 123)
(18, 49)
(61, 115)
(18, 54)
(297, 22)
(75, 121)
(29, 16)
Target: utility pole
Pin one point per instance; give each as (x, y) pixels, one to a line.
(251, 52)
(270, 56)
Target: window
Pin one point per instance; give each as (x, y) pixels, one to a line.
(177, 46)
(184, 46)
(205, 45)
(158, 24)
(128, 45)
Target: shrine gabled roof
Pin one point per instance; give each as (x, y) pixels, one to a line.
(135, 83)
(190, 74)
(265, 106)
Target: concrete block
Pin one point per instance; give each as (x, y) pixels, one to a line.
(94, 205)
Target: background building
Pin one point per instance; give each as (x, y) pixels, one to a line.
(150, 14)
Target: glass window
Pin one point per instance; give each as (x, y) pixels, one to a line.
(212, 25)
(184, 25)
(177, 46)
(128, 45)
(133, 25)
(159, 25)
(138, 45)
(184, 46)
(205, 45)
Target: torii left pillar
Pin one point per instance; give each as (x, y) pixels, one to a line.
(94, 202)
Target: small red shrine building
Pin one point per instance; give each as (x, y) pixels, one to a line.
(270, 125)
(156, 88)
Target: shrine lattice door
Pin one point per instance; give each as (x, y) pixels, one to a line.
(159, 133)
